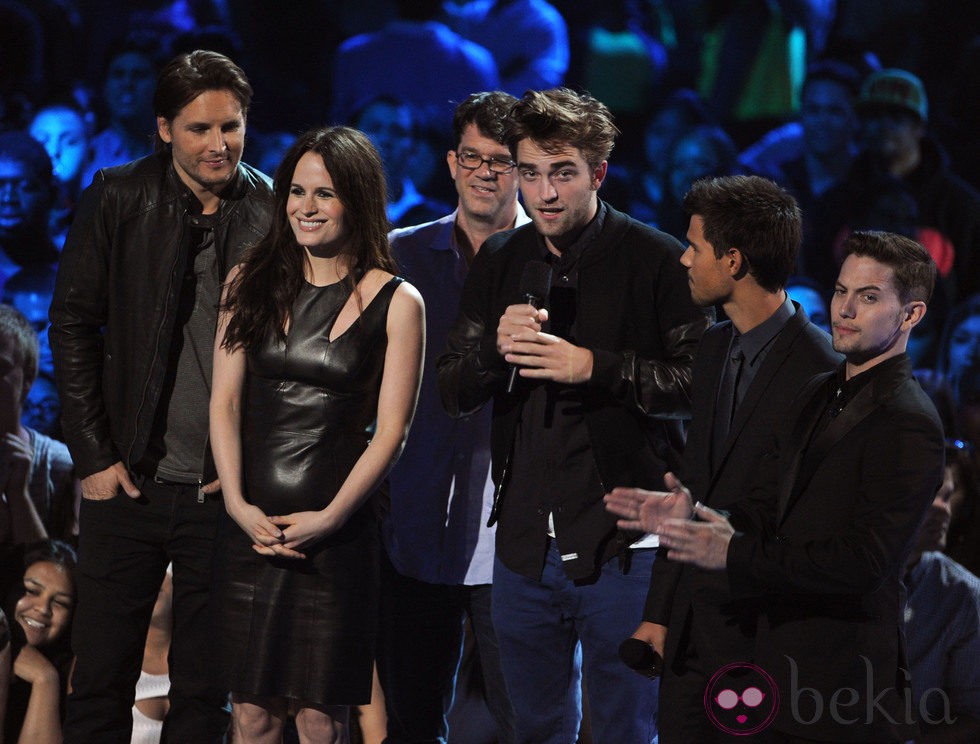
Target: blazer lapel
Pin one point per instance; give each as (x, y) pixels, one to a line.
(806, 421)
(870, 397)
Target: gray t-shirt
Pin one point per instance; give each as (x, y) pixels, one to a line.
(181, 429)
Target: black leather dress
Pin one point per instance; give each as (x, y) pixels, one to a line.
(306, 629)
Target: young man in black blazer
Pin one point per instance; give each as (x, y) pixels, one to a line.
(822, 540)
(742, 245)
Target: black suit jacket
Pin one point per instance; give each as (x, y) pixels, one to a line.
(695, 604)
(825, 558)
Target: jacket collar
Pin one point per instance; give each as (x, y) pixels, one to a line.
(884, 381)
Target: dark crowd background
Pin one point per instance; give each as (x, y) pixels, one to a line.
(866, 110)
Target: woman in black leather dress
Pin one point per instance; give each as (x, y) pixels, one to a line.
(316, 375)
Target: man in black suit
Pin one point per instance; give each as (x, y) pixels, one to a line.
(822, 540)
(742, 243)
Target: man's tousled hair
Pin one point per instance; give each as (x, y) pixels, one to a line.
(558, 118)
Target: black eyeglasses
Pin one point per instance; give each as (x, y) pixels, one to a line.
(472, 161)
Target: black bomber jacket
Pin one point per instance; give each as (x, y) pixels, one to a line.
(636, 316)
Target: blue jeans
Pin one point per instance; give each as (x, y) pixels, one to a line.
(547, 629)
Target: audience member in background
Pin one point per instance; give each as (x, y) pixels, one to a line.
(703, 152)
(127, 99)
(827, 104)
(414, 58)
(959, 353)
(40, 653)
(63, 130)
(828, 146)
(963, 542)
(152, 688)
(528, 39)
(680, 113)
(30, 291)
(36, 474)
(901, 156)
(391, 125)
(955, 381)
(811, 297)
(26, 196)
(942, 628)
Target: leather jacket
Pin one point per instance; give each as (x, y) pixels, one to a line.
(116, 296)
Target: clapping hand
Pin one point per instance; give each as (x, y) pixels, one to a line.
(646, 511)
(703, 543)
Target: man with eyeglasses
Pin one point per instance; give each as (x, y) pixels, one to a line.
(604, 375)
(439, 548)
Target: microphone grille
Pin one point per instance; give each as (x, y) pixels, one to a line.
(536, 279)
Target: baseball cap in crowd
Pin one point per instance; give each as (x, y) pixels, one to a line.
(892, 88)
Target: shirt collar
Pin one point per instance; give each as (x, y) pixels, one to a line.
(847, 389)
(755, 340)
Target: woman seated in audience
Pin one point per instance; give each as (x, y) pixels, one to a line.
(34, 667)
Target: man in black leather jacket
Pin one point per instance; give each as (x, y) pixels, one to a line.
(604, 377)
(133, 322)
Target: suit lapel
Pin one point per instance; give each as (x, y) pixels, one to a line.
(869, 398)
(802, 431)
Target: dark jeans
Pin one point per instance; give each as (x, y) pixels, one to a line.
(550, 629)
(124, 547)
(418, 656)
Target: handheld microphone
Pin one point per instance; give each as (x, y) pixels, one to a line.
(535, 286)
(640, 657)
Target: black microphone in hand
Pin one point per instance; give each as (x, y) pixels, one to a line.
(640, 657)
(535, 286)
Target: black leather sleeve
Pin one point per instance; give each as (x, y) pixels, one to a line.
(656, 387)
(78, 315)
